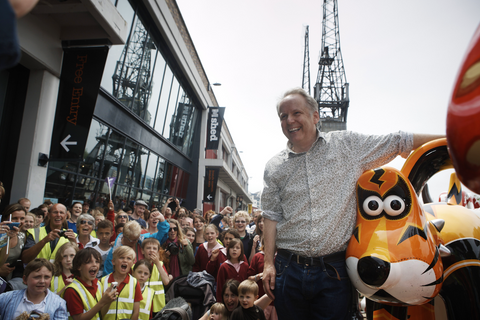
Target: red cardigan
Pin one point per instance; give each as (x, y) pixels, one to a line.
(256, 267)
(226, 272)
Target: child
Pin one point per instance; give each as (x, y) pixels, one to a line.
(104, 232)
(84, 295)
(127, 305)
(62, 275)
(158, 275)
(218, 312)
(234, 267)
(205, 250)
(142, 271)
(189, 233)
(247, 294)
(29, 221)
(36, 297)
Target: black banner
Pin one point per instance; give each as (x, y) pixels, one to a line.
(210, 184)
(214, 127)
(82, 71)
(181, 123)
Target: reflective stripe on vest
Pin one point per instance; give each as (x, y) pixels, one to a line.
(157, 286)
(123, 307)
(57, 284)
(46, 252)
(146, 303)
(87, 299)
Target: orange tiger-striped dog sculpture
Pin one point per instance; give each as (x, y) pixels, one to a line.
(411, 260)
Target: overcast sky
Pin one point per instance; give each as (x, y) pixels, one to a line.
(401, 59)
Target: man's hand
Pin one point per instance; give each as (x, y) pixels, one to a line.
(226, 210)
(71, 236)
(269, 274)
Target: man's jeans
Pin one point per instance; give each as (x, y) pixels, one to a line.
(311, 292)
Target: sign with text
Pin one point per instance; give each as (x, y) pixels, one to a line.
(214, 127)
(210, 184)
(82, 71)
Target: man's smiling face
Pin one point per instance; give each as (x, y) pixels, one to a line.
(298, 122)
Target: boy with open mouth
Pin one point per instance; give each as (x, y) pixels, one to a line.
(85, 297)
(127, 304)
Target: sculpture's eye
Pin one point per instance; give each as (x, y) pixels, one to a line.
(373, 206)
(394, 205)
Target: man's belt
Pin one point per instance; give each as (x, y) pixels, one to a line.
(312, 261)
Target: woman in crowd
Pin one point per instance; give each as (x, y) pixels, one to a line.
(85, 226)
(151, 221)
(37, 276)
(208, 216)
(75, 211)
(257, 237)
(198, 223)
(178, 251)
(12, 269)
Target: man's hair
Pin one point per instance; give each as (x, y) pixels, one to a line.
(84, 256)
(105, 224)
(198, 211)
(243, 214)
(232, 243)
(309, 100)
(150, 240)
(85, 216)
(36, 264)
(132, 228)
(23, 199)
(122, 251)
(248, 286)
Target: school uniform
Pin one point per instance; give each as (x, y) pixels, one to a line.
(203, 256)
(230, 271)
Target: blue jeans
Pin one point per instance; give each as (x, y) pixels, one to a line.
(311, 292)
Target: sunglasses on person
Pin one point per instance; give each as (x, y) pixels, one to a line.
(239, 221)
(123, 216)
(86, 221)
(174, 229)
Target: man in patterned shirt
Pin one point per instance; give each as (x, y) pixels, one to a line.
(310, 208)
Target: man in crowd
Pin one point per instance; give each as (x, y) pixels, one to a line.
(138, 211)
(310, 208)
(24, 202)
(43, 242)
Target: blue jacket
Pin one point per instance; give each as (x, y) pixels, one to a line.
(161, 236)
(9, 302)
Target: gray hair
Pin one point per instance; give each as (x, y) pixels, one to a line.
(85, 216)
(310, 101)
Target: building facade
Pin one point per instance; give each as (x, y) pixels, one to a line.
(148, 128)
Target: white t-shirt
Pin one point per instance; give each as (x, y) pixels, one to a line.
(104, 255)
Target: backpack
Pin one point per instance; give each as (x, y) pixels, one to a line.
(175, 309)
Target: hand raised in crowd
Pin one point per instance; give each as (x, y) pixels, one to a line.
(154, 257)
(10, 232)
(109, 296)
(226, 210)
(185, 242)
(255, 241)
(158, 215)
(68, 281)
(214, 255)
(110, 205)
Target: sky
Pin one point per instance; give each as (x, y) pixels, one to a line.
(401, 59)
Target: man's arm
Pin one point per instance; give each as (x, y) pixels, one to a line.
(31, 253)
(269, 272)
(421, 138)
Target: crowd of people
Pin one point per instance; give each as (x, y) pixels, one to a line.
(98, 263)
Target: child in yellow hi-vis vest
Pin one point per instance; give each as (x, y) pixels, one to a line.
(84, 296)
(159, 276)
(62, 274)
(127, 304)
(142, 272)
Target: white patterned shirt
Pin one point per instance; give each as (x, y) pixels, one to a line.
(312, 194)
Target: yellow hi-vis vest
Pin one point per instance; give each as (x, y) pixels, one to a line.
(122, 308)
(88, 300)
(38, 234)
(57, 284)
(146, 303)
(155, 282)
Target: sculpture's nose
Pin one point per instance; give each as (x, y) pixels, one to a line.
(373, 271)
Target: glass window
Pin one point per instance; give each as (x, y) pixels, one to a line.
(113, 155)
(94, 149)
(150, 172)
(167, 187)
(143, 160)
(163, 100)
(158, 77)
(159, 179)
(172, 108)
(127, 168)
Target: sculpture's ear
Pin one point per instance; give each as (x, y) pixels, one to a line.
(425, 161)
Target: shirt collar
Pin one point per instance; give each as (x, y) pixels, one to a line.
(25, 299)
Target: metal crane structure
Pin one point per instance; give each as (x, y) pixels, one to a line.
(306, 65)
(331, 88)
(132, 80)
